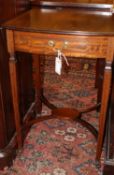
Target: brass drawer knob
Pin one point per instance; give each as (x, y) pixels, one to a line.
(51, 43)
(65, 44)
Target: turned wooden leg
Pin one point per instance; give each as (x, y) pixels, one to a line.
(104, 104)
(37, 83)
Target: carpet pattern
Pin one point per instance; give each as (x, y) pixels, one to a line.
(60, 147)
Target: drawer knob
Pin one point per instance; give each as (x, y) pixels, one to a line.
(65, 44)
(51, 43)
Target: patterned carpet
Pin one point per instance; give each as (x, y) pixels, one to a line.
(58, 147)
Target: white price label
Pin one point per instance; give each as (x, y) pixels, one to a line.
(58, 65)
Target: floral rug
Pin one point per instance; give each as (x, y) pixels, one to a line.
(60, 147)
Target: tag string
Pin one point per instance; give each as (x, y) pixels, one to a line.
(65, 58)
(62, 55)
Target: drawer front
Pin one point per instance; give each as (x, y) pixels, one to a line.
(70, 45)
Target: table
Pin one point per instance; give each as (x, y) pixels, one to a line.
(78, 33)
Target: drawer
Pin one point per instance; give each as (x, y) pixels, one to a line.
(70, 45)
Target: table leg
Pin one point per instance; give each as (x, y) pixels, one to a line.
(15, 98)
(37, 83)
(104, 105)
(37, 78)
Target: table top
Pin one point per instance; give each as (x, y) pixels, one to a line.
(84, 3)
(63, 21)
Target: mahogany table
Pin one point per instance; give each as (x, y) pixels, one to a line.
(76, 33)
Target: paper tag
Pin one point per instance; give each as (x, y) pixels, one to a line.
(58, 65)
